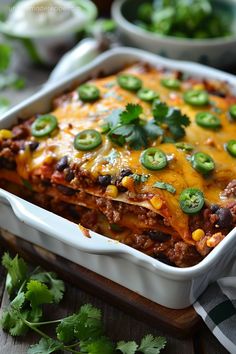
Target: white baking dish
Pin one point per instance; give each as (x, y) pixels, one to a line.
(166, 285)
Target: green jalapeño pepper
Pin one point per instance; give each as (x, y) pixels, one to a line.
(87, 140)
(88, 93)
(171, 83)
(231, 147)
(147, 94)
(196, 97)
(129, 82)
(202, 163)
(44, 125)
(232, 112)
(208, 120)
(153, 159)
(191, 200)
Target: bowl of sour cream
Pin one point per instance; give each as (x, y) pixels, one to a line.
(46, 29)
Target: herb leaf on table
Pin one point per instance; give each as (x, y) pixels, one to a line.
(82, 332)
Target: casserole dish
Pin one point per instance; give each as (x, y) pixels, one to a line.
(171, 287)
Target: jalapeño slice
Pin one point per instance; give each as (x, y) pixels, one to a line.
(184, 146)
(44, 125)
(88, 92)
(231, 147)
(88, 139)
(153, 159)
(148, 95)
(129, 82)
(171, 83)
(191, 200)
(196, 97)
(207, 120)
(232, 111)
(202, 163)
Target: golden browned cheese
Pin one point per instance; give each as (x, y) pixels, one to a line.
(74, 116)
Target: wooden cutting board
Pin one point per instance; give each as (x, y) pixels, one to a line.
(179, 323)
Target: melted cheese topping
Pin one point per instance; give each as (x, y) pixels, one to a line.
(74, 116)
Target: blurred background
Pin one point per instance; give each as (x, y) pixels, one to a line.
(48, 39)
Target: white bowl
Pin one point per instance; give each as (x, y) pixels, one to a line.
(217, 52)
(46, 47)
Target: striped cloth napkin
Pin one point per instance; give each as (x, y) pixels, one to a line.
(217, 307)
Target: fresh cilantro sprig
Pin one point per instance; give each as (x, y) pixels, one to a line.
(140, 178)
(127, 127)
(170, 117)
(81, 333)
(164, 185)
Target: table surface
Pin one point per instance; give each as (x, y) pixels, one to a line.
(119, 325)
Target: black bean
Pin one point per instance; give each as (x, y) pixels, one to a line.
(104, 180)
(69, 175)
(62, 164)
(158, 236)
(125, 172)
(162, 258)
(214, 208)
(33, 145)
(66, 190)
(225, 218)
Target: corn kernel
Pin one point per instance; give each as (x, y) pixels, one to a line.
(5, 134)
(198, 87)
(128, 182)
(112, 191)
(156, 202)
(198, 234)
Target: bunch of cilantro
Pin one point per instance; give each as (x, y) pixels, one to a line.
(81, 332)
(128, 127)
(198, 19)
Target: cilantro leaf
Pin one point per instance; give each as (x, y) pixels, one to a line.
(176, 122)
(88, 324)
(160, 111)
(172, 117)
(102, 345)
(38, 293)
(138, 138)
(5, 56)
(65, 329)
(127, 347)
(131, 113)
(152, 345)
(113, 119)
(11, 321)
(45, 346)
(17, 272)
(140, 178)
(127, 127)
(152, 130)
(166, 186)
(18, 301)
(56, 286)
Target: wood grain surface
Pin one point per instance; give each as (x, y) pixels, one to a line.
(119, 324)
(180, 323)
